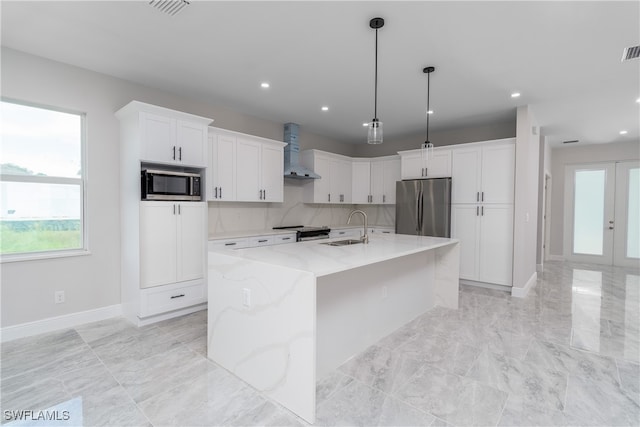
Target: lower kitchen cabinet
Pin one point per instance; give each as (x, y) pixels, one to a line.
(172, 242)
(486, 242)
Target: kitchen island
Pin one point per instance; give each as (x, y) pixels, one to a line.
(281, 317)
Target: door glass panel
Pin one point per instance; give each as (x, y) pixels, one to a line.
(633, 215)
(588, 219)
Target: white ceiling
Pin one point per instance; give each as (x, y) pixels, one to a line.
(563, 56)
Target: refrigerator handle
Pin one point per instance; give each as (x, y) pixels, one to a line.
(421, 208)
(418, 212)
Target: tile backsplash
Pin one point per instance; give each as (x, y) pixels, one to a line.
(227, 217)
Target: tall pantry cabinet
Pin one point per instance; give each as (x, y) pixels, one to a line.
(163, 243)
(482, 194)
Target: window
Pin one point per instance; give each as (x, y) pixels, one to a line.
(42, 181)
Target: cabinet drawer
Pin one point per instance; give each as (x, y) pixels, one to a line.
(289, 238)
(219, 245)
(162, 299)
(346, 233)
(261, 241)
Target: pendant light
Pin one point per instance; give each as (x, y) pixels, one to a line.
(426, 149)
(374, 136)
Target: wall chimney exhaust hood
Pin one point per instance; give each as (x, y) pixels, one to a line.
(292, 167)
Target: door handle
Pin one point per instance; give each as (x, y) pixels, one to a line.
(418, 212)
(421, 210)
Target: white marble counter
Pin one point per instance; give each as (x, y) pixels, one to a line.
(249, 233)
(280, 317)
(321, 259)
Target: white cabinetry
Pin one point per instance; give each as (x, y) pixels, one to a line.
(170, 140)
(354, 233)
(245, 168)
(374, 180)
(482, 209)
(334, 186)
(484, 172)
(413, 165)
(172, 242)
(162, 243)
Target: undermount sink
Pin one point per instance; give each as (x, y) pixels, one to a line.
(343, 242)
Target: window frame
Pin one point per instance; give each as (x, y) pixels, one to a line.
(82, 182)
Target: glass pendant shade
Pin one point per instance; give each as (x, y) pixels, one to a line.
(374, 135)
(426, 152)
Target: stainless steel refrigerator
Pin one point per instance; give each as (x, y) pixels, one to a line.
(423, 207)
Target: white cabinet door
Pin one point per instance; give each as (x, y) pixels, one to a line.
(465, 225)
(411, 166)
(222, 168)
(440, 165)
(158, 136)
(191, 240)
(248, 170)
(158, 243)
(496, 244)
(391, 172)
(272, 173)
(465, 185)
(191, 142)
(340, 181)
(377, 181)
(361, 185)
(321, 188)
(498, 173)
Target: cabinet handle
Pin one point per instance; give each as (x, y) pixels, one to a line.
(264, 194)
(477, 196)
(262, 241)
(179, 213)
(230, 244)
(384, 198)
(286, 238)
(180, 153)
(329, 197)
(174, 209)
(215, 192)
(342, 197)
(482, 197)
(422, 172)
(482, 211)
(221, 192)
(177, 296)
(426, 171)
(174, 152)
(477, 211)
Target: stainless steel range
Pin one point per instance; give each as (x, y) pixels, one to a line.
(307, 233)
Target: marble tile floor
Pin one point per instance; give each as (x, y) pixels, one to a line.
(567, 355)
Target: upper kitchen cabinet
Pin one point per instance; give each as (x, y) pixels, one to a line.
(166, 136)
(484, 172)
(374, 180)
(244, 168)
(414, 166)
(334, 186)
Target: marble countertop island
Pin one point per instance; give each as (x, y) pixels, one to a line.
(281, 317)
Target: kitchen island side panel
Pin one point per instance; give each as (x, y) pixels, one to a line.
(261, 327)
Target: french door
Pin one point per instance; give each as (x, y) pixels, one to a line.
(602, 213)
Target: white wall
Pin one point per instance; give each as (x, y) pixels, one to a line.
(525, 220)
(544, 168)
(575, 154)
(93, 281)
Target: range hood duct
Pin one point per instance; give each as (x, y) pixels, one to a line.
(292, 167)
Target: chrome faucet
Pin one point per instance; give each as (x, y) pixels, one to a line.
(365, 237)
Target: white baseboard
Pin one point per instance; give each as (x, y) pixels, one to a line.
(555, 258)
(524, 291)
(60, 322)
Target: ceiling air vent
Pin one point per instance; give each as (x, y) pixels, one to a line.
(170, 7)
(573, 141)
(630, 53)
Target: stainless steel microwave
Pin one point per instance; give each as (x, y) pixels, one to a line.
(170, 185)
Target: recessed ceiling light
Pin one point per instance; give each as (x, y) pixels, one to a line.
(365, 124)
(515, 94)
(638, 100)
(430, 112)
(623, 132)
(264, 85)
(325, 108)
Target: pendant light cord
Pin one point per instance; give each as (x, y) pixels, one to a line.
(375, 100)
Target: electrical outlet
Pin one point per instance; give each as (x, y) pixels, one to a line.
(59, 297)
(246, 297)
